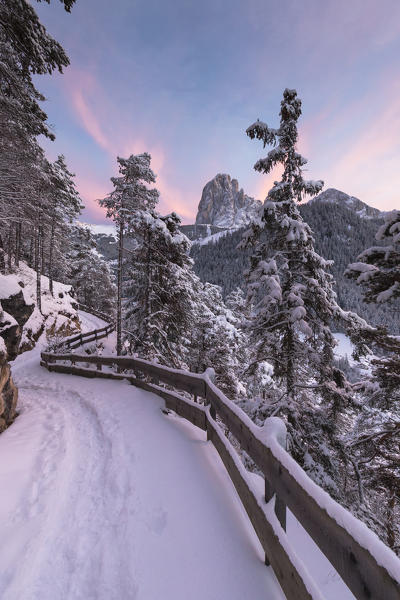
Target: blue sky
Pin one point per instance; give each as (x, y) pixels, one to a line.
(183, 79)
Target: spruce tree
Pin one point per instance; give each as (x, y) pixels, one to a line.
(158, 290)
(374, 442)
(292, 303)
(88, 273)
(125, 205)
(377, 269)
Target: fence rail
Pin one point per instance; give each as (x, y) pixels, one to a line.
(79, 339)
(367, 566)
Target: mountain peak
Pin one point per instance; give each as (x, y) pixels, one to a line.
(223, 204)
(336, 196)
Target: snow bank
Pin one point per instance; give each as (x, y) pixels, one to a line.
(9, 286)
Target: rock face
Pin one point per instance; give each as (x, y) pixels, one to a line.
(17, 307)
(336, 196)
(14, 313)
(8, 391)
(224, 205)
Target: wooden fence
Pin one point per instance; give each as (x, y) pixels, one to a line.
(84, 338)
(367, 566)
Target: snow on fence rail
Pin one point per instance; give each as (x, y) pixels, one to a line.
(369, 568)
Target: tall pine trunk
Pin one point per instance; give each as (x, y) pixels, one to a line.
(10, 245)
(2, 261)
(119, 289)
(31, 251)
(38, 267)
(51, 252)
(18, 243)
(149, 286)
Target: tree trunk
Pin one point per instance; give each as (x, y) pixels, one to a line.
(31, 251)
(42, 263)
(51, 252)
(38, 267)
(119, 289)
(145, 341)
(2, 261)
(18, 243)
(391, 521)
(10, 245)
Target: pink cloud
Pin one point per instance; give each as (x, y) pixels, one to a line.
(91, 107)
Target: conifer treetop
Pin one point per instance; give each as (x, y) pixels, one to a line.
(131, 192)
(292, 185)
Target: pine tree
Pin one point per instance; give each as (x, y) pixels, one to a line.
(64, 208)
(89, 274)
(292, 303)
(26, 49)
(158, 290)
(216, 339)
(378, 267)
(374, 442)
(125, 205)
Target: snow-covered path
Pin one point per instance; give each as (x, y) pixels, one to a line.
(102, 496)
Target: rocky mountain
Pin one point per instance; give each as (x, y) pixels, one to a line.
(337, 197)
(343, 226)
(224, 205)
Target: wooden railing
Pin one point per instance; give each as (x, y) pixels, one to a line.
(367, 566)
(79, 339)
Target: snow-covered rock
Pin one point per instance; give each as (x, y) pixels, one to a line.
(21, 323)
(8, 391)
(223, 204)
(354, 204)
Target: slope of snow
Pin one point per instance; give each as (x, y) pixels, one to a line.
(344, 346)
(211, 239)
(108, 498)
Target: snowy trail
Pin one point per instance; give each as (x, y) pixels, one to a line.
(104, 497)
(90, 322)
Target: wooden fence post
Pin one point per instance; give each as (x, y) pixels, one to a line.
(210, 373)
(280, 433)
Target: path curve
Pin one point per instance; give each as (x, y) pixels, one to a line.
(104, 497)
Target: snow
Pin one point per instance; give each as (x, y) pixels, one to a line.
(9, 286)
(344, 346)
(108, 498)
(358, 530)
(7, 321)
(101, 228)
(58, 310)
(211, 239)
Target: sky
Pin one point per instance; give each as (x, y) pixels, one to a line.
(183, 79)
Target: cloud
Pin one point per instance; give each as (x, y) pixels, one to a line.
(92, 111)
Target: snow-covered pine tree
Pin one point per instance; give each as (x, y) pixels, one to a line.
(26, 49)
(292, 304)
(374, 443)
(377, 269)
(125, 205)
(88, 273)
(216, 339)
(159, 290)
(63, 208)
